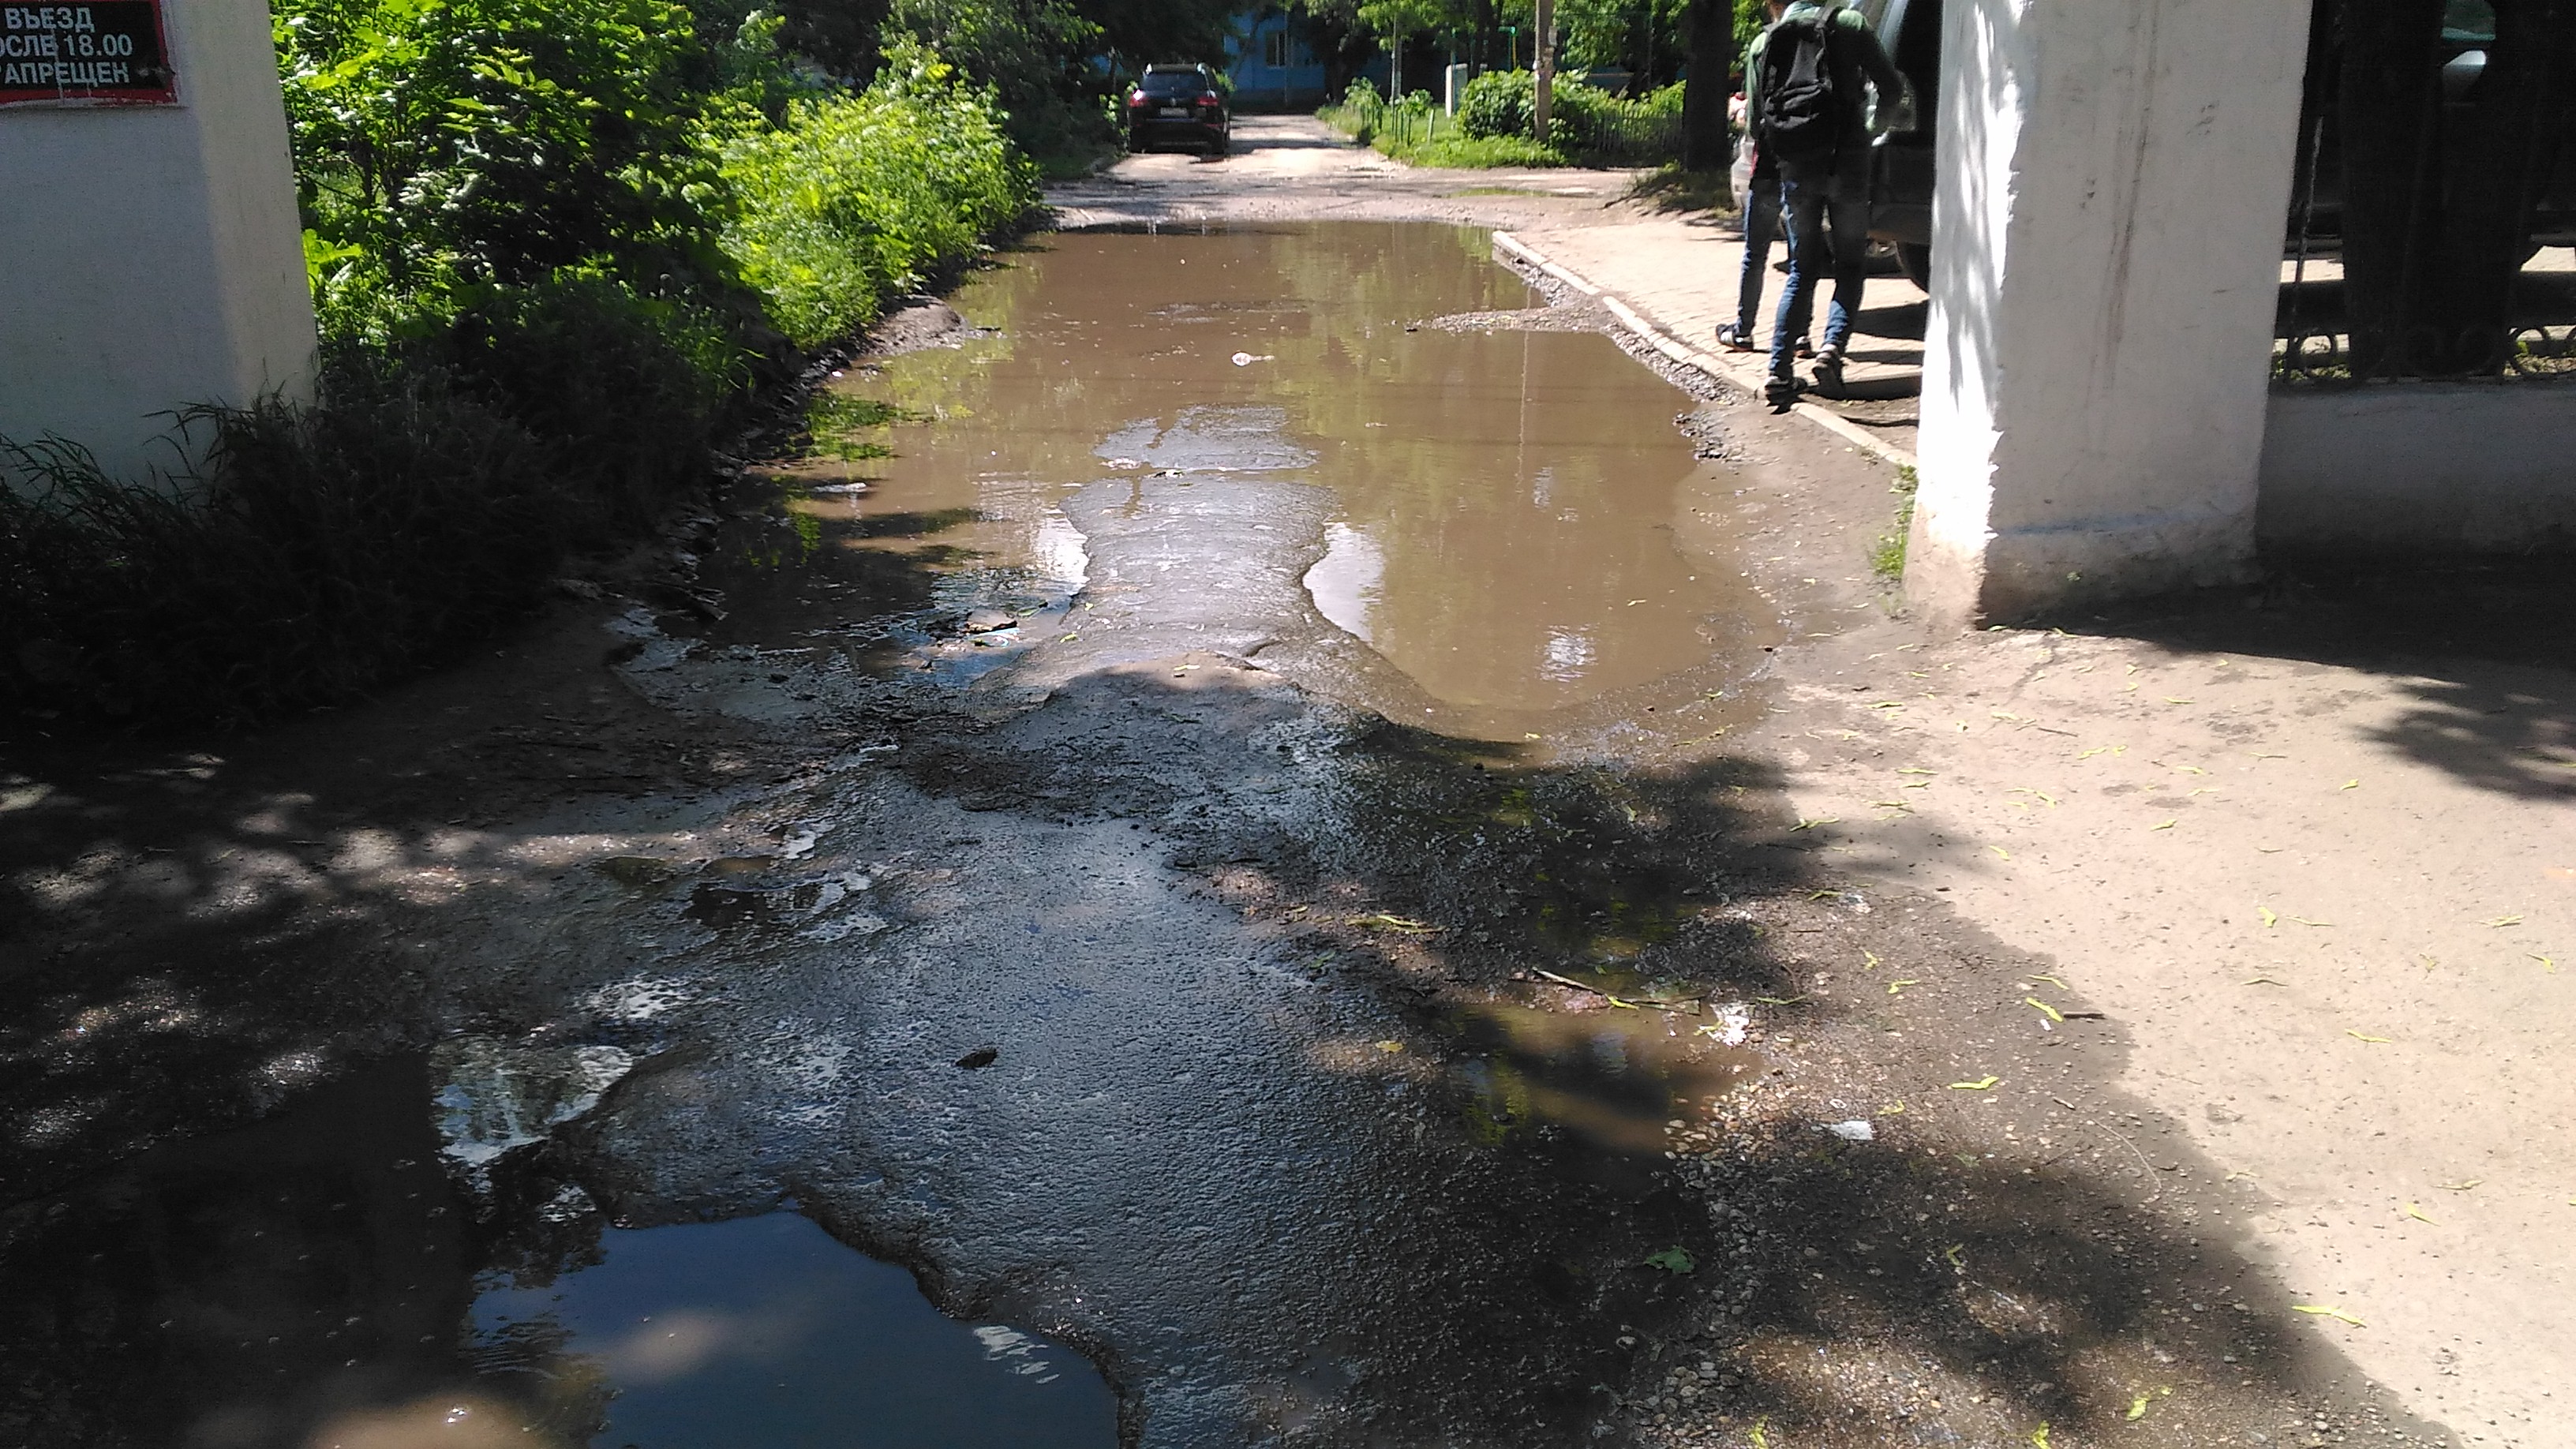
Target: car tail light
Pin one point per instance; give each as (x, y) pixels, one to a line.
(1135, 98)
(1209, 99)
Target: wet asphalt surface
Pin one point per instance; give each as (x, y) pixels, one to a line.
(1277, 909)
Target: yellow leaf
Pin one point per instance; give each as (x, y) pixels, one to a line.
(1982, 1084)
(1897, 987)
(2417, 1214)
(2263, 981)
(1869, 958)
(1913, 770)
(1812, 824)
(2321, 1311)
(2462, 1186)
(2269, 920)
(2046, 1010)
(2039, 1437)
(1760, 1439)
(2168, 825)
(1892, 1109)
(2546, 964)
(2175, 699)
(1999, 850)
(1390, 1046)
(2349, 785)
(2053, 981)
(2191, 769)
(2501, 922)
(2138, 1408)
(1954, 1253)
(2357, 1036)
(1401, 925)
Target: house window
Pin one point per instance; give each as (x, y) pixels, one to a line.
(1276, 52)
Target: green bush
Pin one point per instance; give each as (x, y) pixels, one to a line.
(554, 252)
(1582, 120)
(859, 199)
(321, 552)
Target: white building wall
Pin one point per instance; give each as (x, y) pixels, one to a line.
(2107, 235)
(152, 255)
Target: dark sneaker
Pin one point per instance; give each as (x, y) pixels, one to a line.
(1781, 393)
(1806, 348)
(1829, 372)
(1734, 338)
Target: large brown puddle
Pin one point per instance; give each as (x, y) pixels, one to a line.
(1516, 525)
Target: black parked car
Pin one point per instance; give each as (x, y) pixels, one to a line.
(1901, 170)
(1182, 103)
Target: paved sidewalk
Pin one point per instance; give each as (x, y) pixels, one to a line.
(1679, 273)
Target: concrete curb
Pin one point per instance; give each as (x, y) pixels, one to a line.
(1743, 377)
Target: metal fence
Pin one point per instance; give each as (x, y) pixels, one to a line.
(2433, 204)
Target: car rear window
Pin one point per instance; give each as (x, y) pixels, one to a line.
(1170, 84)
(2468, 22)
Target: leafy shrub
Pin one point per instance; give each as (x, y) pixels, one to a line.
(1481, 152)
(1582, 119)
(322, 551)
(857, 200)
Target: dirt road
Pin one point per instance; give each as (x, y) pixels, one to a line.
(1305, 836)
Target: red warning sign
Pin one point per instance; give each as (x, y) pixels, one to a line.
(106, 52)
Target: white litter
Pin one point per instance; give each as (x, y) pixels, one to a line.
(1854, 1130)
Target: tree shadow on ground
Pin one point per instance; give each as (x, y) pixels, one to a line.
(2012, 1242)
(2484, 645)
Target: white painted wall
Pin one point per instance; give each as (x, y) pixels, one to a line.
(152, 256)
(2426, 467)
(2106, 244)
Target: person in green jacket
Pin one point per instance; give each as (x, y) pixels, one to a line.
(1806, 90)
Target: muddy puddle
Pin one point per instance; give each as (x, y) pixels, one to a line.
(390, 1264)
(1508, 521)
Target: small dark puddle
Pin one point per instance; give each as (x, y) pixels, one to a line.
(340, 1274)
(1614, 1077)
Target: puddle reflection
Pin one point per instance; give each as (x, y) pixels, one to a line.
(380, 1267)
(1520, 529)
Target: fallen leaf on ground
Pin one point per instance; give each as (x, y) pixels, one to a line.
(2321, 1311)
(1953, 1253)
(1999, 850)
(2412, 1211)
(1897, 987)
(1812, 824)
(2264, 981)
(2168, 825)
(1390, 1046)
(1675, 1259)
(2039, 1437)
(2357, 1036)
(2053, 981)
(2046, 1010)
(1982, 1084)
(2269, 920)
(2138, 1408)
(1869, 958)
(1779, 1000)
(1401, 925)
(2546, 964)
(2349, 785)
(2462, 1186)
(2500, 922)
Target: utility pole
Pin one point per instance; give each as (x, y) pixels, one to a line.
(1543, 69)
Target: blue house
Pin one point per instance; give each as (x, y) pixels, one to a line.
(1271, 62)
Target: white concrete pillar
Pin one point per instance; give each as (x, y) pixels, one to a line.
(150, 254)
(2113, 185)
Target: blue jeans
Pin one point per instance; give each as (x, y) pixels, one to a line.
(1761, 224)
(1827, 212)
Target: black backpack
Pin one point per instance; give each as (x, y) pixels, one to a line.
(1802, 116)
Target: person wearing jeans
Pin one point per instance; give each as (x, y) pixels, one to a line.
(1824, 198)
(1825, 209)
